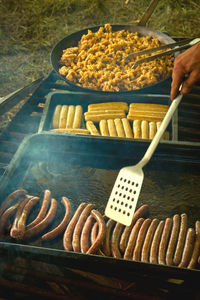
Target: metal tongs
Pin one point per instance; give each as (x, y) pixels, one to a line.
(174, 48)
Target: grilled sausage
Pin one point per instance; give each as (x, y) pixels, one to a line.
(188, 248)
(61, 227)
(106, 244)
(6, 216)
(84, 240)
(94, 232)
(43, 209)
(14, 228)
(67, 237)
(196, 250)
(140, 239)
(79, 226)
(101, 234)
(22, 220)
(164, 241)
(153, 258)
(148, 240)
(132, 239)
(140, 212)
(14, 196)
(115, 238)
(173, 240)
(181, 240)
(40, 227)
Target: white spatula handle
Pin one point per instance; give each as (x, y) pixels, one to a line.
(161, 130)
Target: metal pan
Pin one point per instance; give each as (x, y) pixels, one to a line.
(73, 39)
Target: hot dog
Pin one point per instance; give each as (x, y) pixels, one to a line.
(61, 227)
(78, 227)
(14, 196)
(6, 217)
(14, 228)
(148, 240)
(115, 238)
(153, 258)
(164, 241)
(101, 234)
(84, 239)
(43, 209)
(188, 248)
(196, 250)
(40, 227)
(94, 232)
(140, 240)
(22, 220)
(107, 241)
(173, 240)
(140, 212)
(181, 240)
(132, 239)
(67, 237)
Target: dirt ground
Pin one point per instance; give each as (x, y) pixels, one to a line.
(29, 29)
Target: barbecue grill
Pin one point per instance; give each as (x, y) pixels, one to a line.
(49, 271)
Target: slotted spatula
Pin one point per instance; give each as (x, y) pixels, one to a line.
(126, 190)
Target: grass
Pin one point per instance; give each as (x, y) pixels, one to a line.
(30, 28)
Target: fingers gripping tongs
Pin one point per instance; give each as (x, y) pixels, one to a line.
(175, 47)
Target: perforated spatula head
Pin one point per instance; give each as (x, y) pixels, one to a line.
(124, 196)
(126, 190)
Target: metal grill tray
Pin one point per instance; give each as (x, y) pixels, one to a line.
(85, 169)
(84, 99)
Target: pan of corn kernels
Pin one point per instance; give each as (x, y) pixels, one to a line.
(93, 59)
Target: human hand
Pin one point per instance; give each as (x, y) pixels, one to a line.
(186, 70)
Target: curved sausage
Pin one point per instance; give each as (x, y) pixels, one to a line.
(84, 240)
(14, 228)
(22, 220)
(140, 239)
(38, 228)
(164, 241)
(196, 250)
(115, 238)
(101, 234)
(61, 227)
(153, 258)
(106, 243)
(43, 210)
(148, 240)
(79, 226)
(6, 216)
(14, 196)
(188, 248)
(67, 237)
(140, 212)
(181, 240)
(173, 240)
(132, 239)
(94, 232)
